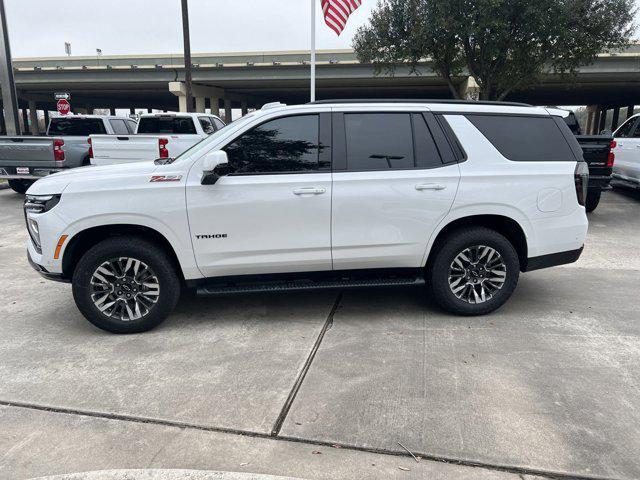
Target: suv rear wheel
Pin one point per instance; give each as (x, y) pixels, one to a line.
(474, 272)
(125, 285)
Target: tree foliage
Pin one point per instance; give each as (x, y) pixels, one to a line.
(503, 44)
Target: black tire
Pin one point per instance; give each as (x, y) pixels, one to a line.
(136, 248)
(20, 186)
(593, 199)
(449, 248)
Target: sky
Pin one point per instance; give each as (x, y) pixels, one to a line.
(39, 28)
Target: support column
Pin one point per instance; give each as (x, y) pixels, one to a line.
(33, 118)
(149, 110)
(227, 110)
(614, 120)
(182, 104)
(215, 106)
(630, 109)
(112, 111)
(7, 84)
(469, 89)
(199, 104)
(591, 117)
(603, 120)
(25, 122)
(132, 111)
(245, 108)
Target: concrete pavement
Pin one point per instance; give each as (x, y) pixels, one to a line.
(546, 386)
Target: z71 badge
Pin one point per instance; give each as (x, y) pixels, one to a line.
(165, 178)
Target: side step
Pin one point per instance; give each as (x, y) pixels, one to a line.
(221, 288)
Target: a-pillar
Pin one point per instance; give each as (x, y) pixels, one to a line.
(614, 119)
(33, 118)
(227, 110)
(245, 108)
(215, 106)
(199, 104)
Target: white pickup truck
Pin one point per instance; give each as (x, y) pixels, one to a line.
(158, 135)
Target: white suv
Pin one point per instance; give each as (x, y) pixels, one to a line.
(459, 196)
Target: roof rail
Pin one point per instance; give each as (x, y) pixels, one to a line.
(269, 106)
(412, 100)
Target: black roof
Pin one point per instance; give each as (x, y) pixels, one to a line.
(411, 100)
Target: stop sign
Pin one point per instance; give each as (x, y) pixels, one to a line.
(63, 106)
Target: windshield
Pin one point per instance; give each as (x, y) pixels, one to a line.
(214, 136)
(82, 127)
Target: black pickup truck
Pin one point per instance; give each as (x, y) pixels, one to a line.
(596, 150)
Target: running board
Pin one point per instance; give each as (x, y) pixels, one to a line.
(220, 288)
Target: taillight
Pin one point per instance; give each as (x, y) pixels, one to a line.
(90, 148)
(611, 158)
(58, 153)
(581, 178)
(162, 147)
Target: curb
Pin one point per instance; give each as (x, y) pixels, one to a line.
(162, 474)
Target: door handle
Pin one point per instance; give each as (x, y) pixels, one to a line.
(309, 191)
(430, 186)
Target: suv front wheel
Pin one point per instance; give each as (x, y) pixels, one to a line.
(474, 272)
(125, 285)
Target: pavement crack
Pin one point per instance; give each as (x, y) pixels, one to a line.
(275, 431)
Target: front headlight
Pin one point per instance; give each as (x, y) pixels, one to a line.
(40, 203)
(34, 233)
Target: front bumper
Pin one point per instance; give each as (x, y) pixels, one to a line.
(56, 277)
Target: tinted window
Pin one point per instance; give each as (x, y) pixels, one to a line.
(523, 138)
(131, 125)
(177, 125)
(284, 145)
(378, 141)
(207, 126)
(427, 155)
(119, 127)
(219, 123)
(76, 126)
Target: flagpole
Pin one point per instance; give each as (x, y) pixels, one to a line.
(313, 50)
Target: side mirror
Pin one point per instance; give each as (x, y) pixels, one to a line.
(214, 166)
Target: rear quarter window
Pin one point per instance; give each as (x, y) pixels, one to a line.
(525, 138)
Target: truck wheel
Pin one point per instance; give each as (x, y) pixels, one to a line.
(20, 186)
(125, 285)
(593, 199)
(474, 271)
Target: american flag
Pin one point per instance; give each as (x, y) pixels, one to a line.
(336, 13)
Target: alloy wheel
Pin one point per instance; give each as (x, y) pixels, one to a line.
(124, 288)
(477, 274)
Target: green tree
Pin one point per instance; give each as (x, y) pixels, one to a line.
(503, 44)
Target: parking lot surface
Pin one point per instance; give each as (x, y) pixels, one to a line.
(547, 385)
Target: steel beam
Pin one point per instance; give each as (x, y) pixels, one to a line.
(7, 84)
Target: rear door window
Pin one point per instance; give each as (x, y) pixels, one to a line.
(426, 151)
(524, 138)
(119, 127)
(207, 126)
(82, 127)
(131, 125)
(169, 124)
(378, 141)
(219, 123)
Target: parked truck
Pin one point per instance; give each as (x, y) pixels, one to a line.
(158, 135)
(25, 159)
(597, 151)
